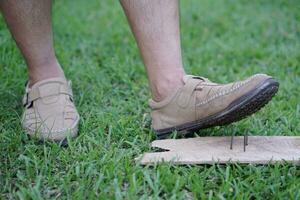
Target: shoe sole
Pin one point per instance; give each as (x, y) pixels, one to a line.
(236, 111)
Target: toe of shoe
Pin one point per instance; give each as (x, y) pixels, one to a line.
(258, 78)
(254, 81)
(43, 132)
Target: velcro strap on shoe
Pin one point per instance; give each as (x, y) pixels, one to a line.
(186, 92)
(46, 91)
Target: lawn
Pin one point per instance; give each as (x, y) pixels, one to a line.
(222, 40)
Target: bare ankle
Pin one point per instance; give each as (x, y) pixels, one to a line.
(166, 86)
(46, 70)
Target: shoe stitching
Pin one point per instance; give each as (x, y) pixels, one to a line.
(220, 94)
(57, 130)
(36, 121)
(53, 133)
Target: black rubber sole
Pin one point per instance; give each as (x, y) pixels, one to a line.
(237, 110)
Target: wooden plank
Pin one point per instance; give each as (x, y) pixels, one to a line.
(209, 150)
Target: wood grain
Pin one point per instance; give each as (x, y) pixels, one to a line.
(209, 150)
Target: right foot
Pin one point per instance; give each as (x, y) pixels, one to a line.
(50, 113)
(201, 104)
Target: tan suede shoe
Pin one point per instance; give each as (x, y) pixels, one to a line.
(201, 104)
(50, 113)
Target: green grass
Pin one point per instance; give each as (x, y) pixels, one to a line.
(222, 40)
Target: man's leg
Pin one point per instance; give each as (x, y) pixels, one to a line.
(180, 102)
(155, 24)
(49, 109)
(30, 24)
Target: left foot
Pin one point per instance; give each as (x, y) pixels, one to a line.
(201, 104)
